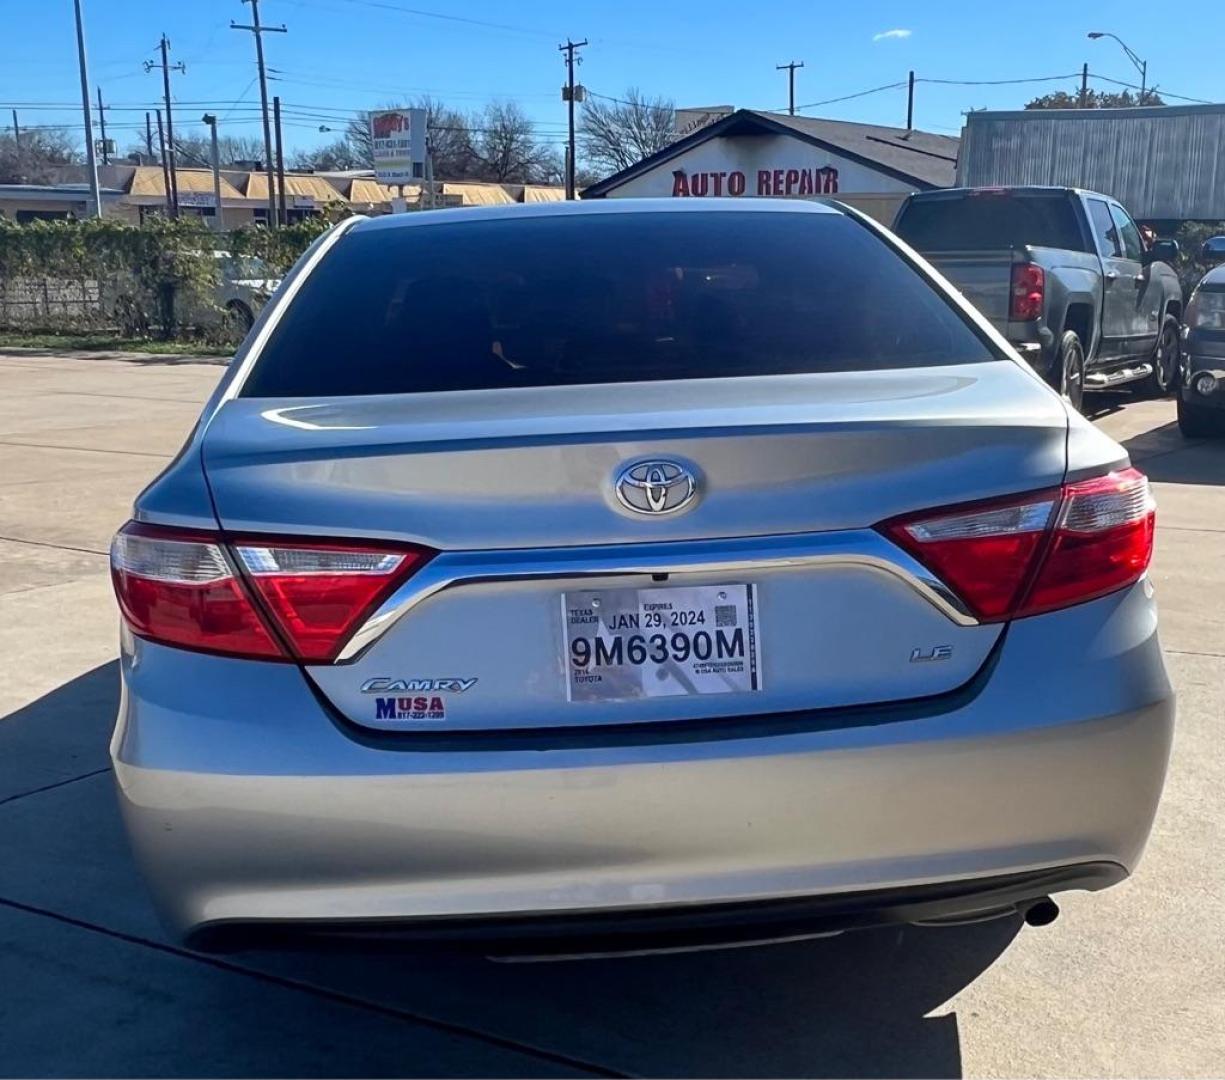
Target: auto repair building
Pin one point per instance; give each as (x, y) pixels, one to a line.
(774, 155)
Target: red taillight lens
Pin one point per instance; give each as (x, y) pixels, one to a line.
(985, 552)
(1103, 541)
(1038, 552)
(1028, 290)
(319, 594)
(190, 590)
(178, 588)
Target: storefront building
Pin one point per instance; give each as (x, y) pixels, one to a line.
(770, 155)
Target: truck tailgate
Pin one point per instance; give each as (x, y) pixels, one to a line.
(983, 277)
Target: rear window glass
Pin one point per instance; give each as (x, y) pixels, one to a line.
(604, 298)
(990, 222)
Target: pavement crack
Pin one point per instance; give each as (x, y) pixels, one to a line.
(81, 449)
(48, 544)
(351, 1000)
(52, 787)
(1195, 652)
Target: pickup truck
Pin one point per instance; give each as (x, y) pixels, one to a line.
(1065, 275)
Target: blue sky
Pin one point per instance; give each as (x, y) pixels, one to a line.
(345, 55)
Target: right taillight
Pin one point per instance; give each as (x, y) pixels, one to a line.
(1034, 553)
(1027, 292)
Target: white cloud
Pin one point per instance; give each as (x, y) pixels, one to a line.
(891, 35)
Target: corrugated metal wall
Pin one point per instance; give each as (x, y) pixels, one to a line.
(1158, 162)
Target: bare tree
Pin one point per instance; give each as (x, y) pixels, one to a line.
(196, 151)
(508, 148)
(613, 135)
(36, 157)
(335, 156)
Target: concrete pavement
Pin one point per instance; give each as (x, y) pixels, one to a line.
(1129, 982)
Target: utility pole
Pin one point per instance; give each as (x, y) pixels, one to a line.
(168, 148)
(16, 131)
(211, 120)
(570, 48)
(282, 213)
(161, 146)
(1084, 85)
(790, 70)
(106, 157)
(90, 157)
(259, 31)
(148, 136)
(910, 104)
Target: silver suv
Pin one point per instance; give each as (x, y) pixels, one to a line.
(634, 568)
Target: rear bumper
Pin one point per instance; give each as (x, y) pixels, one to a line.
(246, 802)
(1195, 365)
(683, 926)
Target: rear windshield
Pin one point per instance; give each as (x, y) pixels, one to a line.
(543, 301)
(990, 222)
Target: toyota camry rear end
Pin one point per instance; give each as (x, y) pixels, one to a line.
(631, 568)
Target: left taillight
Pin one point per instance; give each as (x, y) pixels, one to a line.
(1027, 293)
(263, 599)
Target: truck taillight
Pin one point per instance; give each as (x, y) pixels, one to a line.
(1028, 291)
(262, 599)
(1034, 553)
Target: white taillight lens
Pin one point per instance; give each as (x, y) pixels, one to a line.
(177, 588)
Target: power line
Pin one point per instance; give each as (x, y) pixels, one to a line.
(1000, 82)
(383, 5)
(1152, 90)
(875, 90)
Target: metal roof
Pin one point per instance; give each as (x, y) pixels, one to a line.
(1161, 162)
(917, 157)
(149, 181)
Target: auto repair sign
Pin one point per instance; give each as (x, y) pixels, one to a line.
(397, 139)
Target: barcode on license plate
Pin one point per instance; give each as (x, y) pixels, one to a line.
(725, 615)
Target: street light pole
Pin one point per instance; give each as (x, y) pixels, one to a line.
(91, 157)
(211, 120)
(1140, 65)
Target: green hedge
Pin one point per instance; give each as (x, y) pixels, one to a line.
(138, 277)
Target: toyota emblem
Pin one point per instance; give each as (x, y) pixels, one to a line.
(656, 487)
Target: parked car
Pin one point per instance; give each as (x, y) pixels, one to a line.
(245, 283)
(616, 567)
(1064, 275)
(1201, 401)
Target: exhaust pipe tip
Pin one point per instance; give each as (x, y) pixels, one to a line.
(1042, 913)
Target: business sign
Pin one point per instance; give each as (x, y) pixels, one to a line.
(302, 202)
(196, 198)
(778, 183)
(687, 121)
(397, 138)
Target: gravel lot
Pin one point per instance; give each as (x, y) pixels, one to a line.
(1129, 982)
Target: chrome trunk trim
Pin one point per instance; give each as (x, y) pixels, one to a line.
(862, 548)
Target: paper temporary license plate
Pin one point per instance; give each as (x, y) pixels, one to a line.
(640, 643)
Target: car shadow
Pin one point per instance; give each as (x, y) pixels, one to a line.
(854, 1005)
(1165, 455)
(1101, 403)
(140, 359)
